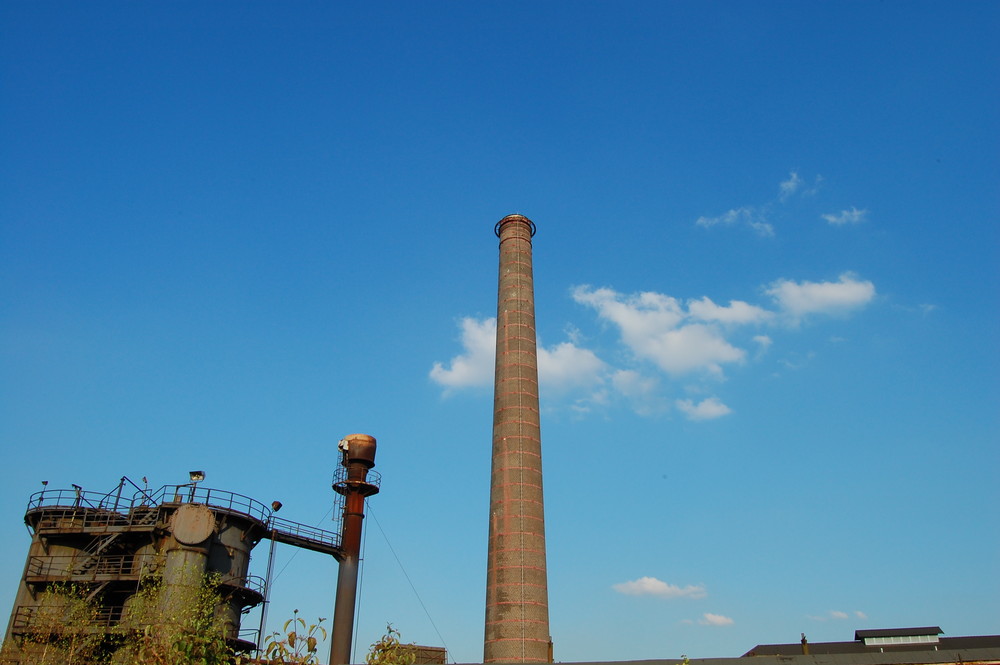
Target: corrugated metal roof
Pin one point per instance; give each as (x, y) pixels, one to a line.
(897, 632)
(820, 648)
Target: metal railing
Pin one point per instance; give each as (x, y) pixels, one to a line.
(78, 498)
(65, 567)
(253, 583)
(303, 532)
(229, 501)
(373, 477)
(24, 616)
(92, 511)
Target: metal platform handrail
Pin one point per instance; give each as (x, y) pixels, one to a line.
(77, 499)
(85, 518)
(24, 616)
(303, 531)
(253, 583)
(222, 499)
(373, 477)
(115, 507)
(107, 564)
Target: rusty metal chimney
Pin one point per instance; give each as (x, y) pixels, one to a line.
(517, 607)
(357, 457)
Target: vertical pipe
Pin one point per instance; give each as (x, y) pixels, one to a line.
(517, 615)
(358, 457)
(267, 596)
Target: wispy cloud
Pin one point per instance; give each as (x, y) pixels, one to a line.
(709, 619)
(728, 218)
(790, 186)
(845, 217)
(750, 216)
(763, 344)
(707, 409)
(650, 586)
(760, 218)
(642, 392)
(837, 615)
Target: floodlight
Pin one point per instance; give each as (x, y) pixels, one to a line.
(197, 476)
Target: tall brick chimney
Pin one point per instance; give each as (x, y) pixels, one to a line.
(517, 604)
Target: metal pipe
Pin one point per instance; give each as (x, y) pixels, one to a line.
(267, 597)
(358, 456)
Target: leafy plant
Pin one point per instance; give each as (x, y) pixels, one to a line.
(60, 630)
(390, 650)
(179, 627)
(298, 645)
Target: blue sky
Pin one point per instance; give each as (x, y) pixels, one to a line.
(766, 290)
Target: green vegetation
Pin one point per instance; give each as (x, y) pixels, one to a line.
(59, 631)
(179, 627)
(298, 646)
(389, 650)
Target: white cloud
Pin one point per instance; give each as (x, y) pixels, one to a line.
(474, 366)
(650, 325)
(650, 586)
(861, 615)
(694, 339)
(689, 348)
(709, 619)
(790, 186)
(844, 217)
(837, 614)
(801, 298)
(560, 368)
(736, 312)
(567, 366)
(707, 409)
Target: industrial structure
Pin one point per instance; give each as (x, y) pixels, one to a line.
(877, 642)
(517, 608)
(108, 547)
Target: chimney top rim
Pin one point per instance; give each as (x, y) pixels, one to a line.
(516, 217)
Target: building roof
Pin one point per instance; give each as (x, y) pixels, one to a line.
(882, 641)
(897, 632)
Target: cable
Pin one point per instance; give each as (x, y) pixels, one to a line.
(419, 599)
